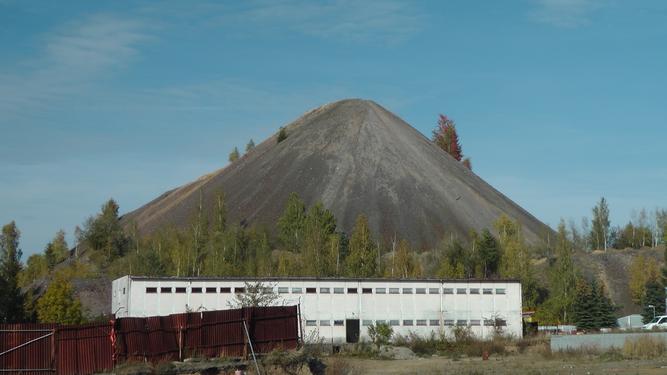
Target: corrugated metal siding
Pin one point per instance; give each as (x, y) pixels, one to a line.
(95, 347)
(38, 355)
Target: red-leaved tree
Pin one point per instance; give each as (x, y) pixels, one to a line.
(445, 136)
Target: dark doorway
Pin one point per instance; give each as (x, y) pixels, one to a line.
(352, 330)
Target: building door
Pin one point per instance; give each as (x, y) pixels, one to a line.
(352, 330)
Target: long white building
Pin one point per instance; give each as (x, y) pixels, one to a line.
(340, 309)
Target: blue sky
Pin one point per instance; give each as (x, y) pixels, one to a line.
(557, 102)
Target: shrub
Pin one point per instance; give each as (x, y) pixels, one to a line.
(282, 134)
(380, 334)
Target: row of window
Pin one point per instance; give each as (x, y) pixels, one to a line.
(298, 290)
(418, 322)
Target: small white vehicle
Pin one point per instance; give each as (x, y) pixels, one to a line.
(659, 322)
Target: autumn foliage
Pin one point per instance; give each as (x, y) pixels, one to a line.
(445, 136)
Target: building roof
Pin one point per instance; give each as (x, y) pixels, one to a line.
(310, 278)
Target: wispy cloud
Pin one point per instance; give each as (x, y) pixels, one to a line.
(349, 20)
(565, 13)
(69, 59)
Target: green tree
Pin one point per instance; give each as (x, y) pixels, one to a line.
(250, 145)
(453, 264)
(59, 304)
(318, 229)
(654, 295)
(361, 260)
(234, 155)
(149, 263)
(11, 298)
(291, 223)
(36, 268)
(282, 135)
(57, 250)
(607, 309)
(104, 234)
(600, 229)
(404, 263)
(489, 254)
(563, 276)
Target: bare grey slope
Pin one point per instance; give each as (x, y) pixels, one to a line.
(355, 157)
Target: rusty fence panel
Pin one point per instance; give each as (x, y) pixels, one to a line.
(40, 349)
(27, 348)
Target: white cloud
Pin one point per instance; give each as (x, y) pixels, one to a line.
(69, 59)
(361, 21)
(565, 13)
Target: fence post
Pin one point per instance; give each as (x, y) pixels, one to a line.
(54, 342)
(180, 343)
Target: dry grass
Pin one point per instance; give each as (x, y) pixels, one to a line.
(644, 347)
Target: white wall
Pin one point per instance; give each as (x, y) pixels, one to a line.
(323, 312)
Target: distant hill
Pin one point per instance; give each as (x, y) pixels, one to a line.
(355, 157)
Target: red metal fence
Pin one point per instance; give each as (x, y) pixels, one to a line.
(38, 349)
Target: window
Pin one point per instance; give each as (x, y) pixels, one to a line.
(380, 290)
(394, 322)
(283, 290)
(339, 290)
(447, 291)
(351, 290)
(324, 290)
(421, 322)
(474, 290)
(475, 322)
(366, 322)
(449, 322)
(407, 290)
(211, 290)
(380, 322)
(393, 290)
(180, 290)
(297, 290)
(367, 290)
(488, 322)
(225, 290)
(311, 290)
(123, 290)
(487, 291)
(151, 290)
(311, 323)
(461, 291)
(165, 290)
(433, 290)
(338, 323)
(500, 291)
(434, 322)
(501, 322)
(196, 290)
(239, 290)
(407, 322)
(267, 290)
(325, 323)
(420, 291)
(461, 323)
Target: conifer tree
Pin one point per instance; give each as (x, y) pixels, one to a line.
(489, 254)
(282, 135)
(11, 298)
(291, 223)
(446, 137)
(234, 155)
(583, 306)
(104, 234)
(361, 260)
(654, 295)
(453, 264)
(250, 145)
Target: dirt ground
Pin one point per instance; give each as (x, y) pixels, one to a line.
(515, 364)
